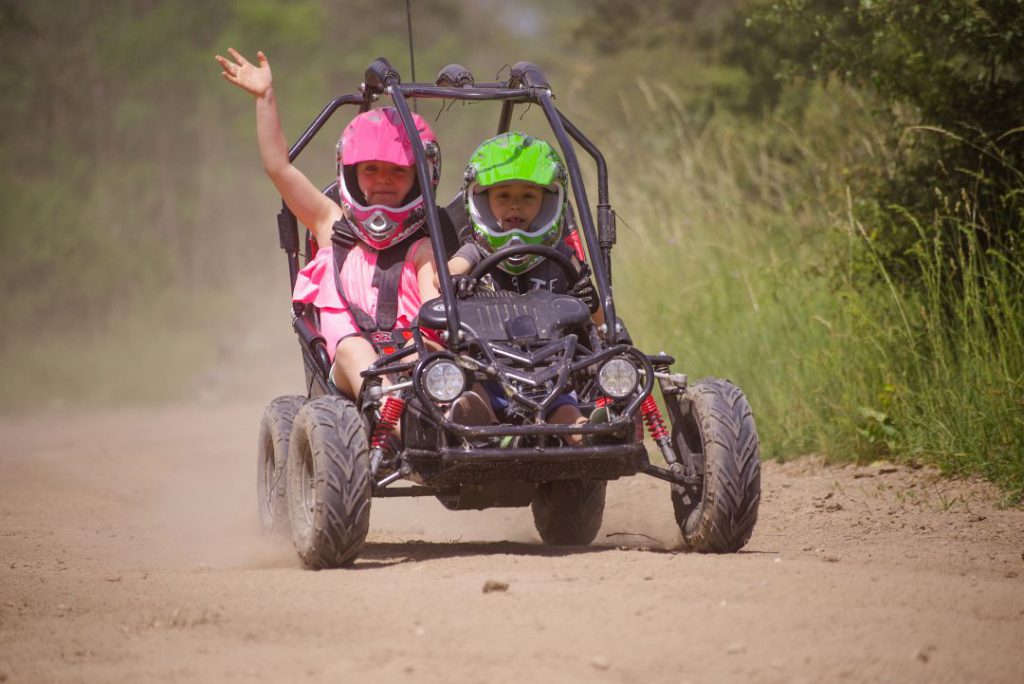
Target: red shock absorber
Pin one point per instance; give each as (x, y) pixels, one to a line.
(389, 417)
(652, 418)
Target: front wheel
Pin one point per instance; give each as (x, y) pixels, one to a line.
(569, 512)
(713, 428)
(328, 482)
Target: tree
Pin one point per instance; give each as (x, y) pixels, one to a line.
(949, 77)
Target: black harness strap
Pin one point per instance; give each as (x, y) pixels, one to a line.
(387, 278)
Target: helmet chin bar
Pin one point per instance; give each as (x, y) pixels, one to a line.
(379, 224)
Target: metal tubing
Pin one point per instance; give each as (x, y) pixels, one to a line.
(537, 429)
(505, 120)
(450, 455)
(431, 92)
(605, 217)
(583, 207)
(665, 474)
(397, 475)
(319, 121)
(433, 222)
(602, 166)
(415, 490)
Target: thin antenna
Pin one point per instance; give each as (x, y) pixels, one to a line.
(412, 58)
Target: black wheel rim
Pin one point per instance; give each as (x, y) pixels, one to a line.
(269, 473)
(308, 484)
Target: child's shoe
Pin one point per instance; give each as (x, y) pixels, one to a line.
(599, 416)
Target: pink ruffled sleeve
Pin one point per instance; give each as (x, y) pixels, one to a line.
(315, 283)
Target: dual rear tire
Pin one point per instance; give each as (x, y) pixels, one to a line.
(275, 433)
(314, 477)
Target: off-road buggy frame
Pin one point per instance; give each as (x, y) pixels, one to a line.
(323, 457)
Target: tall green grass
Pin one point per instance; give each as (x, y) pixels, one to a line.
(959, 395)
(741, 253)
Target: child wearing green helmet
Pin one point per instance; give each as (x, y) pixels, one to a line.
(515, 193)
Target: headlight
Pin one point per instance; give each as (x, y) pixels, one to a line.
(444, 381)
(618, 378)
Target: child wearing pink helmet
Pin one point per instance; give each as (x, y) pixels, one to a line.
(374, 284)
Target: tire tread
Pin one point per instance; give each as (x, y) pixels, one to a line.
(569, 512)
(332, 429)
(724, 519)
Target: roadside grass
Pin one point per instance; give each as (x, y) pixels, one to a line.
(740, 253)
(959, 401)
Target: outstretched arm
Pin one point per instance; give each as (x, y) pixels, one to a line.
(426, 271)
(308, 204)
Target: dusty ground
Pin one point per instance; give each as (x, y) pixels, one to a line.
(129, 554)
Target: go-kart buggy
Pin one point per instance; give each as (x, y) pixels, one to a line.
(323, 458)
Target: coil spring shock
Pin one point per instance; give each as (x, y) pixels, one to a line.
(652, 419)
(389, 417)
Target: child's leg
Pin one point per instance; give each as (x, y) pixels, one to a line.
(354, 355)
(568, 414)
(473, 408)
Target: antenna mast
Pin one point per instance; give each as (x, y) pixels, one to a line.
(412, 58)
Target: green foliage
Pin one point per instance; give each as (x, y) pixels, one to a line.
(954, 360)
(829, 196)
(751, 237)
(948, 78)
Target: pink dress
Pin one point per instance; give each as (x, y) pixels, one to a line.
(315, 285)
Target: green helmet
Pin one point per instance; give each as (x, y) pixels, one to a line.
(507, 158)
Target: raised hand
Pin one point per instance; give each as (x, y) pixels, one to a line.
(255, 80)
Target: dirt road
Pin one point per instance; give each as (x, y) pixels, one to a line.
(129, 554)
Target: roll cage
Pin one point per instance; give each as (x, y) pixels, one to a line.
(526, 85)
(442, 453)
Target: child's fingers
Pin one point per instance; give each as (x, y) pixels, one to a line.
(238, 56)
(230, 69)
(261, 57)
(228, 66)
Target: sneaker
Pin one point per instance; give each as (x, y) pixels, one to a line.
(597, 417)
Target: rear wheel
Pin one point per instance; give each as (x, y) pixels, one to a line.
(714, 429)
(328, 482)
(275, 431)
(569, 512)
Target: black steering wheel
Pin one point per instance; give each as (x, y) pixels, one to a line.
(491, 261)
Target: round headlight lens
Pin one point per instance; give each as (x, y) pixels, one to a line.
(444, 381)
(618, 378)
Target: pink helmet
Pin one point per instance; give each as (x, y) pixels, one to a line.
(379, 135)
